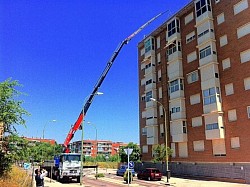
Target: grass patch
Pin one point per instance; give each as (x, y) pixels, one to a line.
(17, 177)
(99, 175)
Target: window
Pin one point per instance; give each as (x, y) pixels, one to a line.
(209, 95)
(220, 18)
(247, 83)
(244, 30)
(205, 52)
(160, 92)
(242, 5)
(212, 126)
(232, 116)
(159, 75)
(226, 63)
(197, 121)
(184, 127)
(183, 149)
(199, 145)
(173, 27)
(190, 37)
(189, 18)
(149, 45)
(172, 47)
(192, 77)
(229, 89)
(235, 142)
(158, 42)
(202, 6)
(148, 96)
(195, 99)
(223, 40)
(144, 131)
(162, 130)
(205, 32)
(175, 110)
(219, 148)
(176, 85)
(159, 58)
(248, 112)
(245, 56)
(149, 82)
(191, 57)
(144, 149)
(148, 66)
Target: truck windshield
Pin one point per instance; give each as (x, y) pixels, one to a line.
(71, 157)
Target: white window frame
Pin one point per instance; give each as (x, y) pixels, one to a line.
(248, 112)
(226, 63)
(235, 142)
(205, 52)
(220, 18)
(232, 115)
(229, 89)
(223, 40)
(247, 83)
(242, 55)
(241, 3)
(189, 18)
(193, 77)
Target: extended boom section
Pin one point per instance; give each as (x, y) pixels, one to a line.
(80, 118)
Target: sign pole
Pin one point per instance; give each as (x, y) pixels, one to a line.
(128, 151)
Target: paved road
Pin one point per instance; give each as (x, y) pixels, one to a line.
(111, 180)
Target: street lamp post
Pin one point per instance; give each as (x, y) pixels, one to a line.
(44, 131)
(81, 172)
(95, 135)
(166, 134)
(46, 125)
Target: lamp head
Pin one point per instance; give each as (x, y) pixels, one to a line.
(99, 93)
(152, 99)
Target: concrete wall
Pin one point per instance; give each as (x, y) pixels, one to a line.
(235, 172)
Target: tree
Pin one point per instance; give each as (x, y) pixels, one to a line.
(135, 155)
(11, 113)
(160, 153)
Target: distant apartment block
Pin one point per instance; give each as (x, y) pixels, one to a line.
(42, 140)
(197, 64)
(96, 147)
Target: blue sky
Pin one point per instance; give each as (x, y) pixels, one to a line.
(58, 49)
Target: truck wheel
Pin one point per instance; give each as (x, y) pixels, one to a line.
(78, 179)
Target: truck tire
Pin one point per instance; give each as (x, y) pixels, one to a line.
(78, 179)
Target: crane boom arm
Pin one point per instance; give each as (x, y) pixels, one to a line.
(79, 120)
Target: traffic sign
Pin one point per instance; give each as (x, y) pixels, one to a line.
(26, 165)
(128, 151)
(131, 164)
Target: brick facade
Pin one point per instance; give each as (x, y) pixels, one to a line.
(218, 139)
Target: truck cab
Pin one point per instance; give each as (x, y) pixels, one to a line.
(69, 166)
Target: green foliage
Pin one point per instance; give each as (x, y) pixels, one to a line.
(160, 153)
(11, 113)
(99, 175)
(135, 155)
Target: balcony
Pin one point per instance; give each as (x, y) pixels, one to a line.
(178, 115)
(151, 121)
(203, 17)
(179, 138)
(150, 70)
(151, 86)
(175, 69)
(177, 94)
(174, 56)
(152, 135)
(208, 36)
(215, 134)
